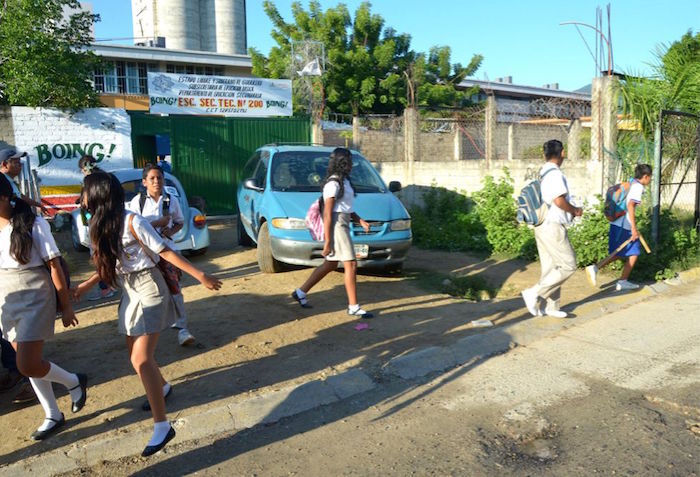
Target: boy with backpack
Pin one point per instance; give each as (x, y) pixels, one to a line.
(557, 257)
(620, 211)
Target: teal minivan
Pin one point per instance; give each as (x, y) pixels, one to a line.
(280, 183)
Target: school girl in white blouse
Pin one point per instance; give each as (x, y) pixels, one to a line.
(31, 279)
(126, 248)
(338, 213)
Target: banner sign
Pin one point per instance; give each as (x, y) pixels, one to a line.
(173, 93)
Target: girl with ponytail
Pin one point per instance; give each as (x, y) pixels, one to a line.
(126, 250)
(31, 280)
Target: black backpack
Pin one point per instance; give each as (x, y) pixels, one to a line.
(166, 202)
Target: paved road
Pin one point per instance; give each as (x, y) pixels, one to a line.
(615, 395)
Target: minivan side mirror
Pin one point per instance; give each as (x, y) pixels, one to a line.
(251, 184)
(394, 186)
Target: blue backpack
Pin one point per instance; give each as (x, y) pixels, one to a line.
(531, 208)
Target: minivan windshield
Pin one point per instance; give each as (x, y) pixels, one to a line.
(304, 171)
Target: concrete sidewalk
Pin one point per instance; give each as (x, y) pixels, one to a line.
(235, 413)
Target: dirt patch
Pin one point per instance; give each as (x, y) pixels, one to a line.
(252, 336)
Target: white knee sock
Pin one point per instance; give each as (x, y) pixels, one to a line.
(160, 430)
(47, 399)
(59, 375)
(166, 388)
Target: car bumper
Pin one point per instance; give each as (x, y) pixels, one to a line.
(381, 253)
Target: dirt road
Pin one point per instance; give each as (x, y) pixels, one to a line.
(252, 336)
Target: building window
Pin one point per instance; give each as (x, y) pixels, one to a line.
(121, 77)
(192, 70)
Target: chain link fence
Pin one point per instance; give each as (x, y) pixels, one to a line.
(680, 134)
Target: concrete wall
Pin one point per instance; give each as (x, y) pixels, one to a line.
(7, 133)
(467, 176)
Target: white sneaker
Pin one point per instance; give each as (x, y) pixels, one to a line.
(592, 274)
(555, 313)
(625, 285)
(530, 299)
(184, 337)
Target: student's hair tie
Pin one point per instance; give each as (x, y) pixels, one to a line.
(13, 203)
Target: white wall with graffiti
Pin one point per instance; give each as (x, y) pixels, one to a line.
(56, 139)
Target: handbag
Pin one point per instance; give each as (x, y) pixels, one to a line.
(66, 276)
(171, 274)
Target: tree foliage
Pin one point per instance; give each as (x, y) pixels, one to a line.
(370, 68)
(674, 84)
(43, 60)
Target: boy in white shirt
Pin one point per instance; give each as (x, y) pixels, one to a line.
(625, 227)
(557, 257)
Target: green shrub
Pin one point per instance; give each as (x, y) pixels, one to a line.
(447, 222)
(589, 237)
(497, 211)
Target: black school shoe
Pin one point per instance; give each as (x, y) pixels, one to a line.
(82, 382)
(150, 450)
(41, 435)
(146, 406)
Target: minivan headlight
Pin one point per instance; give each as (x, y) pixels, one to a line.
(288, 223)
(404, 224)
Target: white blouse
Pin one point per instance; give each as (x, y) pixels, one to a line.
(153, 210)
(342, 204)
(43, 246)
(133, 257)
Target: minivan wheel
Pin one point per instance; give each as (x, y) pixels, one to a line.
(266, 262)
(243, 237)
(75, 238)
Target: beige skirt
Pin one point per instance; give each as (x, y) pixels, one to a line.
(27, 304)
(146, 306)
(342, 246)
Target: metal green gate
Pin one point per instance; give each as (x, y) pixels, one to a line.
(208, 153)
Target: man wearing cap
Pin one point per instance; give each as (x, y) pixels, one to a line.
(11, 166)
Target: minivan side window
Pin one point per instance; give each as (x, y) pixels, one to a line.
(249, 168)
(260, 175)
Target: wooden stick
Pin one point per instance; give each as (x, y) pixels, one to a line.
(644, 243)
(611, 257)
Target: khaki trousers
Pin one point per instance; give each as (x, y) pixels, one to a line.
(557, 259)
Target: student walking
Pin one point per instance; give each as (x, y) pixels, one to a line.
(164, 213)
(625, 227)
(31, 281)
(557, 257)
(126, 249)
(338, 212)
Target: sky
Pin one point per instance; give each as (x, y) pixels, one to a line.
(518, 38)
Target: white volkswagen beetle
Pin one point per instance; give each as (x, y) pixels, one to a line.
(192, 238)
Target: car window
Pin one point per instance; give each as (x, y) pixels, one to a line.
(133, 188)
(249, 168)
(304, 171)
(260, 175)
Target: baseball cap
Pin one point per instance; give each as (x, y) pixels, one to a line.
(10, 153)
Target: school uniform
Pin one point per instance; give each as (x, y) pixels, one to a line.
(557, 256)
(27, 294)
(621, 228)
(146, 306)
(153, 210)
(343, 249)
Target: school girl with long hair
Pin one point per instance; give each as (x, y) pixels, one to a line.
(126, 249)
(338, 212)
(31, 281)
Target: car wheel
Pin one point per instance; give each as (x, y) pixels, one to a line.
(266, 262)
(243, 237)
(75, 238)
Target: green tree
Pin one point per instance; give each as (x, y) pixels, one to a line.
(438, 78)
(674, 84)
(43, 56)
(364, 60)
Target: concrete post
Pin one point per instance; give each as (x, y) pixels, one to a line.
(604, 127)
(573, 150)
(317, 132)
(411, 130)
(490, 128)
(656, 185)
(458, 142)
(356, 139)
(511, 141)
